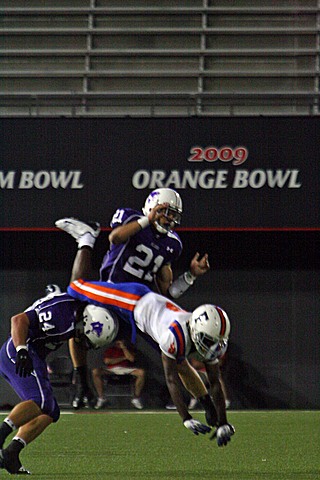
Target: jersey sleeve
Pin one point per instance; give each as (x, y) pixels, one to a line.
(173, 343)
(168, 345)
(33, 317)
(123, 216)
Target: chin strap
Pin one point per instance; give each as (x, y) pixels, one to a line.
(181, 284)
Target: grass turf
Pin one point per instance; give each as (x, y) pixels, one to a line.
(268, 445)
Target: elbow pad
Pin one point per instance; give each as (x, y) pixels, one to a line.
(181, 284)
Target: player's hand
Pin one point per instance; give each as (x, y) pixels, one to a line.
(199, 267)
(24, 365)
(196, 427)
(223, 434)
(157, 212)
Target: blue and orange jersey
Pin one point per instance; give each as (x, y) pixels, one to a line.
(162, 320)
(121, 298)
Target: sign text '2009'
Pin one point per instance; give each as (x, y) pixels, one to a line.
(237, 155)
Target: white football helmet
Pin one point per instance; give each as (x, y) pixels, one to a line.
(209, 330)
(100, 326)
(173, 212)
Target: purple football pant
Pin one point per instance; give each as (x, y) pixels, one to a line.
(36, 387)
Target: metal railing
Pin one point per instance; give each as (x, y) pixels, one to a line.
(153, 66)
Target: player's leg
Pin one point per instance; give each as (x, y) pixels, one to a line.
(34, 428)
(24, 412)
(9, 457)
(85, 235)
(30, 421)
(38, 402)
(21, 414)
(82, 264)
(82, 268)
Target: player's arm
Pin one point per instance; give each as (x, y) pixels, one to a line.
(213, 372)
(19, 329)
(195, 386)
(191, 380)
(19, 333)
(122, 233)
(163, 279)
(174, 386)
(224, 430)
(198, 266)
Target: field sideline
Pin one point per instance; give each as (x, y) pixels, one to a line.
(154, 445)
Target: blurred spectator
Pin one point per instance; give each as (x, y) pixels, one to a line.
(119, 359)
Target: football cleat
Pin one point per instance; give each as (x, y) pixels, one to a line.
(12, 464)
(77, 228)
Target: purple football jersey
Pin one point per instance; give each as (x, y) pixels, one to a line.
(52, 322)
(139, 259)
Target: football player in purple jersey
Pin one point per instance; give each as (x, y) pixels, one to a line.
(144, 245)
(39, 330)
(142, 248)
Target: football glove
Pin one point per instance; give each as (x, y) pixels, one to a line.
(223, 434)
(24, 365)
(196, 427)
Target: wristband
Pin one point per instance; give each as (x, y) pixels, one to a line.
(21, 347)
(181, 284)
(143, 222)
(189, 278)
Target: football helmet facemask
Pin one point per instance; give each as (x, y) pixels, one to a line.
(173, 211)
(100, 326)
(209, 330)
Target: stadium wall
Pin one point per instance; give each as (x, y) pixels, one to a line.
(260, 228)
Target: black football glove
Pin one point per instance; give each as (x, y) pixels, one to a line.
(24, 365)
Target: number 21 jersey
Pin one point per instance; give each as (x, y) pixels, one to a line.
(138, 259)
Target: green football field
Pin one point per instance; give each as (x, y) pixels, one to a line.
(267, 445)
